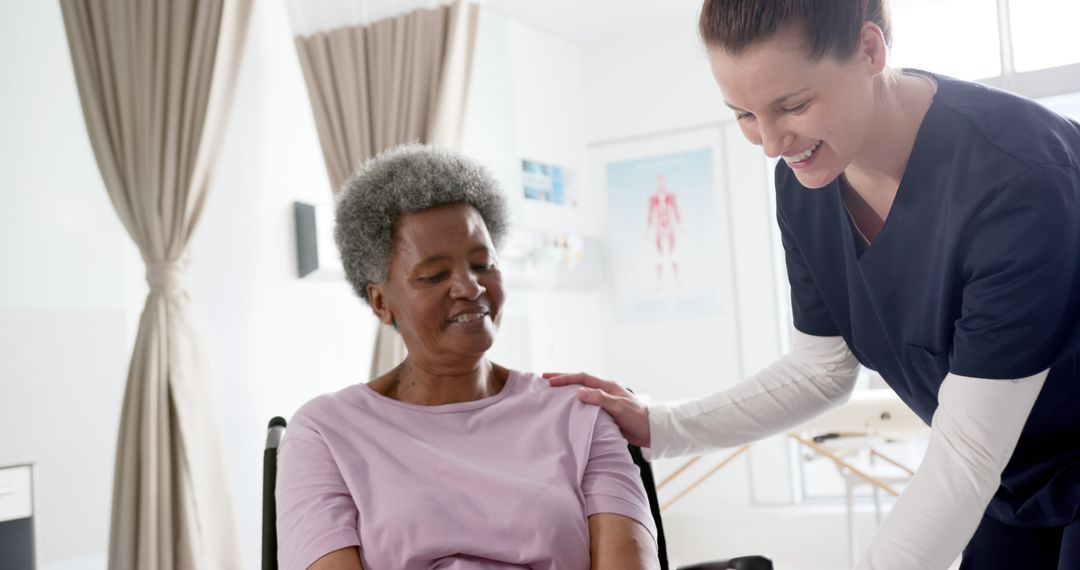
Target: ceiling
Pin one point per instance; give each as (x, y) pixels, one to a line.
(600, 20)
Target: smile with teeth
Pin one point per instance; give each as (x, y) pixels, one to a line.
(467, 317)
(804, 154)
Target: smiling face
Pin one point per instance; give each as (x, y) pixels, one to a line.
(444, 290)
(814, 114)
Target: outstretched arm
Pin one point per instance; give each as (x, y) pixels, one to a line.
(818, 374)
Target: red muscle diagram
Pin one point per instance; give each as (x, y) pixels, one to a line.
(663, 220)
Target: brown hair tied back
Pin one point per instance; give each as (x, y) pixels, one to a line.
(829, 27)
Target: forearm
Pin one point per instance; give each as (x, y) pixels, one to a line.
(620, 543)
(343, 559)
(975, 431)
(817, 375)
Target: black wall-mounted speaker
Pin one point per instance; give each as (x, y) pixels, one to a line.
(307, 243)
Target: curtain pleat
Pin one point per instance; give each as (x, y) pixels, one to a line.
(155, 79)
(389, 82)
(398, 80)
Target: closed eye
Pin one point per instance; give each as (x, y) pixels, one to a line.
(435, 278)
(797, 108)
(484, 268)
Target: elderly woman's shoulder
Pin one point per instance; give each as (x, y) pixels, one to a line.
(536, 387)
(329, 407)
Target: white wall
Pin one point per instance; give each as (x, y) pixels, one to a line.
(638, 86)
(526, 102)
(69, 291)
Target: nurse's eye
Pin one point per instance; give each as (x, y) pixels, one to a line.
(484, 267)
(743, 116)
(796, 109)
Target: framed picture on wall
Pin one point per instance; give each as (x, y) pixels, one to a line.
(548, 183)
(668, 225)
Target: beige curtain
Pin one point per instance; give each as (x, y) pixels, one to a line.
(155, 78)
(397, 80)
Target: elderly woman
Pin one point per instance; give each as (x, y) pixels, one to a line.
(449, 460)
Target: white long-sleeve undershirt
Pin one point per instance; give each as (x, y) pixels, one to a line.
(974, 432)
(817, 375)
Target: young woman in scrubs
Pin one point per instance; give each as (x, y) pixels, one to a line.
(932, 233)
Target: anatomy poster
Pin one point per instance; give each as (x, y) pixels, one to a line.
(665, 237)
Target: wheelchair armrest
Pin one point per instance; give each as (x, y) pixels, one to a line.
(740, 563)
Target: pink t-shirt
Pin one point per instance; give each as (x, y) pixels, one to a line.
(502, 482)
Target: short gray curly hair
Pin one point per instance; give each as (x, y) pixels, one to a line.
(403, 180)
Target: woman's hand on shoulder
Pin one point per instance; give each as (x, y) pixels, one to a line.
(630, 413)
(347, 558)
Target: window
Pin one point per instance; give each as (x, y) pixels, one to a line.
(958, 38)
(1044, 33)
(1067, 105)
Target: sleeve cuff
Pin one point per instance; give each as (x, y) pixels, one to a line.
(659, 432)
(306, 556)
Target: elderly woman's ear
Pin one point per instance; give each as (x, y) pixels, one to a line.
(378, 304)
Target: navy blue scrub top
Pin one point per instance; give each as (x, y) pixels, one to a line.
(975, 272)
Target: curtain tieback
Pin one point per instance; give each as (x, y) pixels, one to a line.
(165, 277)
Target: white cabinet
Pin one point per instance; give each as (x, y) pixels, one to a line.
(17, 517)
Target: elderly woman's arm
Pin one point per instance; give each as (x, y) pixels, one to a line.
(343, 559)
(621, 526)
(618, 542)
(316, 516)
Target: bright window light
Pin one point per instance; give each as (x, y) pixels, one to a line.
(958, 38)
(1068, 105)
(1044, 33)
